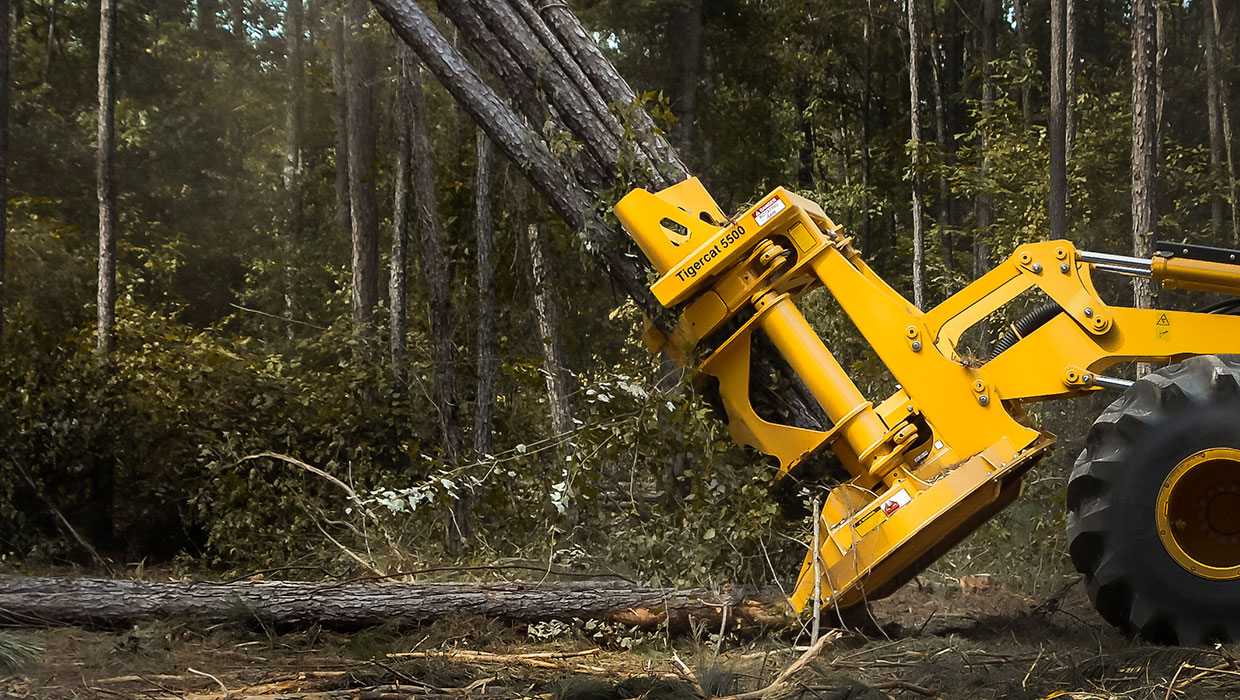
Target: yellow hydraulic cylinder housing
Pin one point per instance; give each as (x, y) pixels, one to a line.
(948, 449)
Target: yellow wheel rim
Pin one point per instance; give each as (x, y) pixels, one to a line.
(1198, 512)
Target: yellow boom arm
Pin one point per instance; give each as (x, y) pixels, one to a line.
(948, 449)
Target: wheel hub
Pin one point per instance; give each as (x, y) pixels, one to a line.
(1198, 513)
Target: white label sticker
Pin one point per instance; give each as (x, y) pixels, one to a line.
(768, 210)
(898, 500)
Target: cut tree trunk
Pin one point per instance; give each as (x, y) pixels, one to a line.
(40, 601)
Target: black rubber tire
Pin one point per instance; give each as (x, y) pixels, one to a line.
(1112, 531)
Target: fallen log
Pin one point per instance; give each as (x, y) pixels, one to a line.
(110, 602)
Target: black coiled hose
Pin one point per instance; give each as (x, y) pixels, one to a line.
(1025, 325)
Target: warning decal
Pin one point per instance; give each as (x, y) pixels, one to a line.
(871, 520)
(1162, 329)
(1163, 320)
(768, 210)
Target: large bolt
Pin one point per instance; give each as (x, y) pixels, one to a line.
(1089, 312)
(1037, 268)
(1063, 267)
(916, 346)
(983, 400)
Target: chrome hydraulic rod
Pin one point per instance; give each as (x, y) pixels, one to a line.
(1121, 264)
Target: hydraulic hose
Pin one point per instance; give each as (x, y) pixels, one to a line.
(1025, 325)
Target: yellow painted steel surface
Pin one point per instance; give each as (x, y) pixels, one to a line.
(948, 449)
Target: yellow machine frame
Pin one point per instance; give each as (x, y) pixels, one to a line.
(948, 449)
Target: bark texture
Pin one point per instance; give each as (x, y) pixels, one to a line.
(5, 31)
(547, 314)
(398, 275)
(984, 212)
(1057, 123)
(105, 184)
(437, 277)
(1144, 138)
(363, 202)
(914, 93)
(40, 601)
(292, 172)
(484, 237)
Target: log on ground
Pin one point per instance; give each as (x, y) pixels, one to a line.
(108, 602)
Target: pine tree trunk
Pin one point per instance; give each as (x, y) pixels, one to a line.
(1144, 138)
(947, 151)
(1057, 126)
(236, 13)
(340, 117)
(690, 41)
(102, 477)
(50, 46)
(363, 204)
(1225, 118)
(1070, 81)
(547, 314)
(484, 235)
(292, 173)
(1022, 45)
(867, 97)
(437, 276)
(5, 43)
(1215, 117)
(914, 76)
(398, 330)
(984, 207)
(102, 602)
(105, 185)
(204, 15)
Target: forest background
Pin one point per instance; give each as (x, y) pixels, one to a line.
(257, 402)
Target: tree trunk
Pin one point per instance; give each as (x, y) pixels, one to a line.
(105, 185)
(40, 601)
(914, 76)
(1022, 47)
(102, 476)
(437, 276)
(1144, 138)
(984, 207)
(947, 151)
(236, 13)
(1225, 118)
(292, 174)
(363, 205)
(1057, 127)
(1213, 82)
(399, 263)
(50, 8)
(5, 42)
(524, 147)
(547, 314)
(344, 217)
(204, 15)
(484, 235)
(690, 42)
(867, 98)
(1069, 81)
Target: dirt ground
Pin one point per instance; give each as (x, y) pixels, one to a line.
(973, 640)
